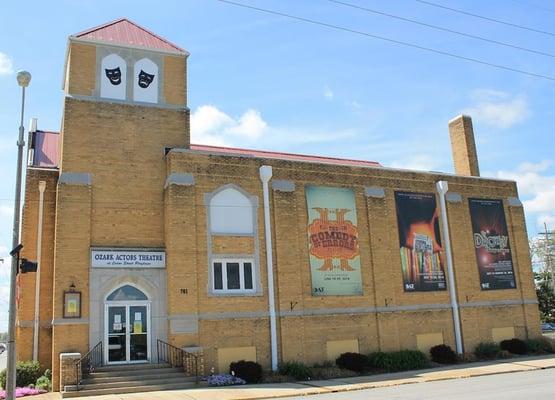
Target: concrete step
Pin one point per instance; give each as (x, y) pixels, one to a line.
(135, 372)
(134, 382)
(170, 373)
(131, 389)
(131, 367)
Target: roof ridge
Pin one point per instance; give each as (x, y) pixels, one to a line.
(286, 153)
(98, 27)
(124, 19)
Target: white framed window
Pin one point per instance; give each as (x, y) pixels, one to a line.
(233, 275)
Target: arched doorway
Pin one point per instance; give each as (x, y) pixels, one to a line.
(127, 326)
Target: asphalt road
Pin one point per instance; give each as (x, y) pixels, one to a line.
(530, 385)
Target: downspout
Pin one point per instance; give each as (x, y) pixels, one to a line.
(442, 188)
(265, 176)
(42, 187)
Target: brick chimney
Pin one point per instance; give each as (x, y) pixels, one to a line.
(463, 146)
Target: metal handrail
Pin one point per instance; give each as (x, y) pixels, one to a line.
(87, 363)
(177, 357)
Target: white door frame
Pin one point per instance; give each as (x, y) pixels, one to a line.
(127, 304)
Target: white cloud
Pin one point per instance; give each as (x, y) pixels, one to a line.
(250, 124)
(328, 93)
(211, 126)
(537, 185)
(421, 162)
(6, 66)
(498, 109)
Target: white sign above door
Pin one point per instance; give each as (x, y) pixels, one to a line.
(127, 258)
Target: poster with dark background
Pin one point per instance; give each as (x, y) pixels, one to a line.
(420, 242)
(491, 244)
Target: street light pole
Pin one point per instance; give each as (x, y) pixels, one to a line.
(23, 79)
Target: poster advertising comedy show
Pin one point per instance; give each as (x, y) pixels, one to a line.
(333, 241)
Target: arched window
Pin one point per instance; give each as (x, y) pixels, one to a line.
(231, 212)
(113, 77)
(126, 293)
(145, 81)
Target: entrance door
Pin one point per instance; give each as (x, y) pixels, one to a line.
(127, 329)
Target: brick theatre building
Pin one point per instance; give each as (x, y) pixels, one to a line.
(144, 239)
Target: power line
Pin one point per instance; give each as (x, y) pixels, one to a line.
(498, 21)
(529, 4)
(440, 28)
(386, 39)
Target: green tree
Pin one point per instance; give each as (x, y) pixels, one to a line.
(546, 296)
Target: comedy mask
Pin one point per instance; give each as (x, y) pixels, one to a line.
(114, 75)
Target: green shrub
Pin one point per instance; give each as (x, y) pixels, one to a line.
(325, 364)
(249, 371)
(352, 361)
(487, 351)
(296, 370)
(515, 346)
(443, 354)
(538, 346)
(403, 360)
(44, 383)
(27, 373)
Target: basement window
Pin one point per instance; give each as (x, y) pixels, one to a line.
(233, 276)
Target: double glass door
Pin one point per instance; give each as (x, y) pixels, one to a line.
(127, 332)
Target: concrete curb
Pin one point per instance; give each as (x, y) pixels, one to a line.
(520, 365)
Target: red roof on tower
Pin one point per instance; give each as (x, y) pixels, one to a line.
(126, 32)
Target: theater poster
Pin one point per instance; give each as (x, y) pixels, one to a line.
(420, 242)
(333, 241)
(491, 244)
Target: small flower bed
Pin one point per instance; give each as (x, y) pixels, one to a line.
(224, 380)
(22, 392)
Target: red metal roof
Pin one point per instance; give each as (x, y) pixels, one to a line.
(284, 156)
(47, 153)
(46, 149)
(126, 32)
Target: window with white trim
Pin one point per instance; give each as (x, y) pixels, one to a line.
(233, 276)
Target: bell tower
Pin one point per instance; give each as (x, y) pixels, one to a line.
(120, 74)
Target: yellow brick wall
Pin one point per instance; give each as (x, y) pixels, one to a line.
(25, 312)
(303, 338)
(81, 71)
(122, 146)
(71, 266)
(175, 80)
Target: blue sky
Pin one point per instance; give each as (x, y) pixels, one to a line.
(269, 82)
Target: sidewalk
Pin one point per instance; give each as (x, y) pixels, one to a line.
(278, 390)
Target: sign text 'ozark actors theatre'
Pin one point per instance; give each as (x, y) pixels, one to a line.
(131, 258)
